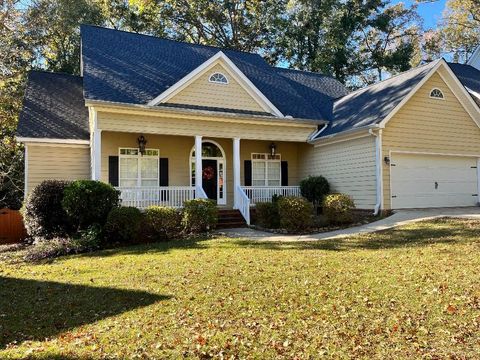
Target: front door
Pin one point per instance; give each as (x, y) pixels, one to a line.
(209, 178)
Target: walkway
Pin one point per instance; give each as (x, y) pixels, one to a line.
(399, 218)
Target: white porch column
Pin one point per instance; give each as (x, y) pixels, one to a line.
(97, 154)
(198, 166)
(236, 170)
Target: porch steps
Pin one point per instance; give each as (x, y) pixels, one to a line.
(228, 219)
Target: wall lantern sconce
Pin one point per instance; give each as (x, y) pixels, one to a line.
(273, 149)
(142, 143)
(387, 160)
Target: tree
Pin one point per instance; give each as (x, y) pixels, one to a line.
(351, 40)
(388, 43)
(15, 59)
(460, 28)
(248, 25)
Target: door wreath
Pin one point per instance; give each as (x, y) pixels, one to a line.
(208, 173)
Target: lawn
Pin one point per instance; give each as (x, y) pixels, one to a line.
(412, 292)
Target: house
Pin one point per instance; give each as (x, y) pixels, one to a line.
(166, 121)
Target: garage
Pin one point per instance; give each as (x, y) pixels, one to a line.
(423, 181)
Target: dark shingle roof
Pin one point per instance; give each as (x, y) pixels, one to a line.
(469, 77)
(132, 68)
(318, 89)
(53, 107)
(370, 105)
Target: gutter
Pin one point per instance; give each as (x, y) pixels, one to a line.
(273, 119)
(378, 169)
(346, 132)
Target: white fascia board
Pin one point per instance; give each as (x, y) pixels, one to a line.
(411, 93)
(193, 75)
(52, 141)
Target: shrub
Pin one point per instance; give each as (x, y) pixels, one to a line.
(296, 213)
(314, 189)
(199, 215)
(89, 239)
(123, 225)
(89, 202)
(338, 208)
(163, 223)
(43, 213)
(267, 215)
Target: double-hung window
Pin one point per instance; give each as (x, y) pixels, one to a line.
(138, 170)
(266, 169)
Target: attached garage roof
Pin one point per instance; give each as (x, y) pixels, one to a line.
(370, 105)
(53, 108)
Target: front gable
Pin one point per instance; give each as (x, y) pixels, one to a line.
(203, 92)
(196, 89)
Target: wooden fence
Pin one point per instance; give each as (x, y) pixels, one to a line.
(11, 226)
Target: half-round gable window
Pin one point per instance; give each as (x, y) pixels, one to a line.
(436, 94)
(218, 78)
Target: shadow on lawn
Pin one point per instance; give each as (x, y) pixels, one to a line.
(153, 247)
(34, 310)
(441, 231)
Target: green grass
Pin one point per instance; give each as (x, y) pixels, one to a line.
(413, 292)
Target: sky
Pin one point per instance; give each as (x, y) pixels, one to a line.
(431, 12)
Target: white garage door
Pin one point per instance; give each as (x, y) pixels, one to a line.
(421, 181)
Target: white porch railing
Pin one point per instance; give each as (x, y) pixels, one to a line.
(243, 204)
(143, 197)
(264, 193)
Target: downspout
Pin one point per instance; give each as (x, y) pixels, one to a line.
(378, 169)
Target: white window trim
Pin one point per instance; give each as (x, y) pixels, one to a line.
(139, 167)
(437, 98)
(265, 161)
(218, 82)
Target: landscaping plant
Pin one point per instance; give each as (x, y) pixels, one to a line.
(338, 208)
(199, 215)
(266, 214)
(163, 223)
(43, 214)
(296, 213)
(123, 225)
(314, 188)
(89, 202)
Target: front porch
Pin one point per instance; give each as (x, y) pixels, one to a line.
(173, 169)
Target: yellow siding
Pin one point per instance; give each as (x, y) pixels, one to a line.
(204, 93)
(57, 163)
(178, 148)
(191, 127)
(349, 167)
(430, 126)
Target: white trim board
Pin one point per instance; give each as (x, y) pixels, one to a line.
(53, 141)
(234, 71)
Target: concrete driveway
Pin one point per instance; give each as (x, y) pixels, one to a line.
(399, 218)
